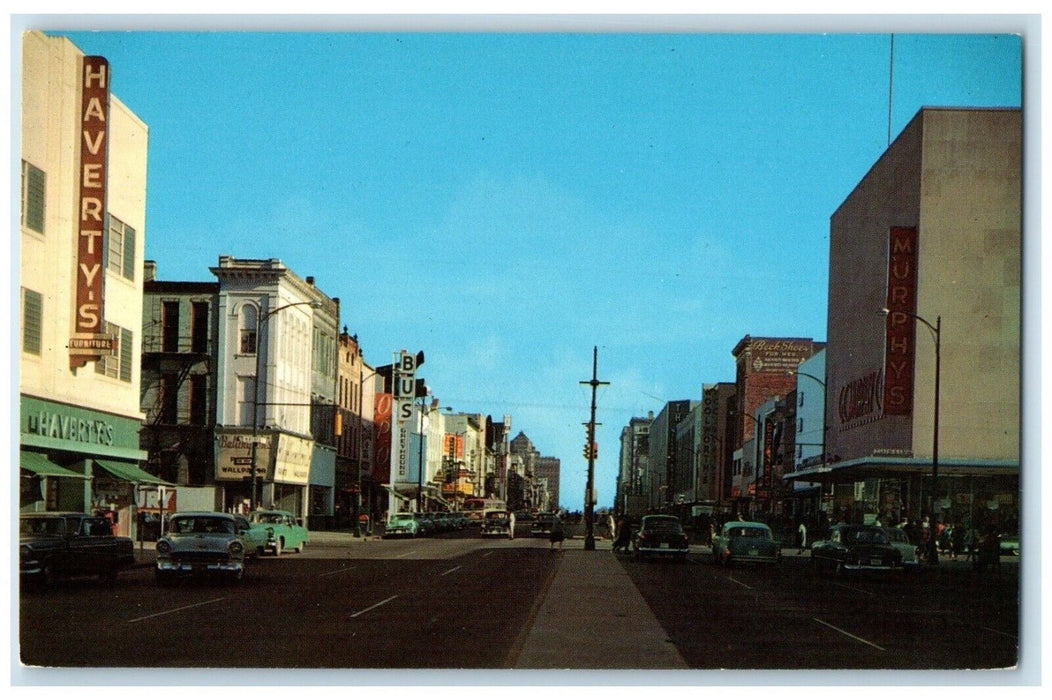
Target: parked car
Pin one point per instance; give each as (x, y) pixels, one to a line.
(855, 548)
(542, 524)
(401, 525)
(497, 523)
(256, 539)
(660, 535)
(283, 530)
(745, 543)
(911, 553)
(202, 544)
(65, 545)
(1009, 545)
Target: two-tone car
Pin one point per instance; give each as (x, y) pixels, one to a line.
(202, 544)
(660, 536)
(282, 529)
(911, 553)
(855, 548)
(744, 542)
(401, 525)
(67, 545)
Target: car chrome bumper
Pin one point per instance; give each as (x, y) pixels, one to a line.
(663, 550)
(188, 567)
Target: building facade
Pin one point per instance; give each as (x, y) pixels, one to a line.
(925, 266)
(82, 235)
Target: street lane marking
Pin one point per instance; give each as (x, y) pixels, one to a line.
(373, 607)
(449, 571)
(860, 639)
(1004, 634)
(731, 578)
(487, 554)
(333, 573)
(175, 610)
(405, 554)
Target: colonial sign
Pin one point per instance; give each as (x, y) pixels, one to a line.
(900, 328)
(88, 341)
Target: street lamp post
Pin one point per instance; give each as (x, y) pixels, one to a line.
(255, 394)
(936, 331)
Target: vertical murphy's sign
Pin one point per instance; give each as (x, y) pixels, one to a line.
(901, 330)
(88, 342)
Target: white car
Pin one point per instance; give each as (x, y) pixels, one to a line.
(899, 540)
(202, 544)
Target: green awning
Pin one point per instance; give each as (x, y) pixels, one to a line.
(130, 472)
(42, 466)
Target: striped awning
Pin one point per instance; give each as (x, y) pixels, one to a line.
(40, 465)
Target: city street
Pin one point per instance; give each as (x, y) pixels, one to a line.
(461, 602)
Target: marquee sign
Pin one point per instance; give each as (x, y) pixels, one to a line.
(88, 342)
(900, 328)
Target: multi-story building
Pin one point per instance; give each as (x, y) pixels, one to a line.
(765, 369)
(546, 471)
(688, 456)
(82, 235)
(663, 464)
(464, 441)
(718, 417)
(356, 489)
(633, 477)
(923, 363)
(270, 376)
(811, 429)
(179, 326)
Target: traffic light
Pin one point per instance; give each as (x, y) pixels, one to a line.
(591, 451)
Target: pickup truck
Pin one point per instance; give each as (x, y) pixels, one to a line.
(65, 545)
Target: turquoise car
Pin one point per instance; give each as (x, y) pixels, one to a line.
(281, 530)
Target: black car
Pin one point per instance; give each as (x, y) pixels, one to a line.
(542, 525)
(660, 535)
(65, 545)
(855, 548)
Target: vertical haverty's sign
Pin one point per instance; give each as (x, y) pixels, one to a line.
(404, 377)
(900, 329)
(88, 342)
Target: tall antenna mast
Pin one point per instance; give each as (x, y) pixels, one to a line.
(891, 85)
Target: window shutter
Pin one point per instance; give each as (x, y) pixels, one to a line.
(128, 268)
(126, 355)
(34, 183)
(32, 317)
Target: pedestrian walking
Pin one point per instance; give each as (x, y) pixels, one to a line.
(556, 534)
(622, 536)
(802, 530)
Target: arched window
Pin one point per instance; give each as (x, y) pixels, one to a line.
(249, 323)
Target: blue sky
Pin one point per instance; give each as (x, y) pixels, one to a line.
(507, 201)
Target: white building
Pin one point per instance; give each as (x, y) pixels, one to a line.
(82, 234)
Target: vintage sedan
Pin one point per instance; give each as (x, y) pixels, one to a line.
(201, 544)
(542, 524)
(65, 545)
(283, 530)
(498, 523)
(901, 541)
(741, 542)
(660, 535)
(855, 548)
(401, 525)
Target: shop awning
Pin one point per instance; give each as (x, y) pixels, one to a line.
(130, 472)
(42, 466)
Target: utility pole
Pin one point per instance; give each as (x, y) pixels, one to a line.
(589, 508)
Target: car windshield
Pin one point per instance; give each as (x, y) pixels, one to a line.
(661, 524)
(268, 518)
(42, 526)
(198, 525)
(897, 536)
(866, 536)
(402, 518)
(755, 532)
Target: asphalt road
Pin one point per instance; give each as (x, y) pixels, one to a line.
(787, 617)
(458, 602)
